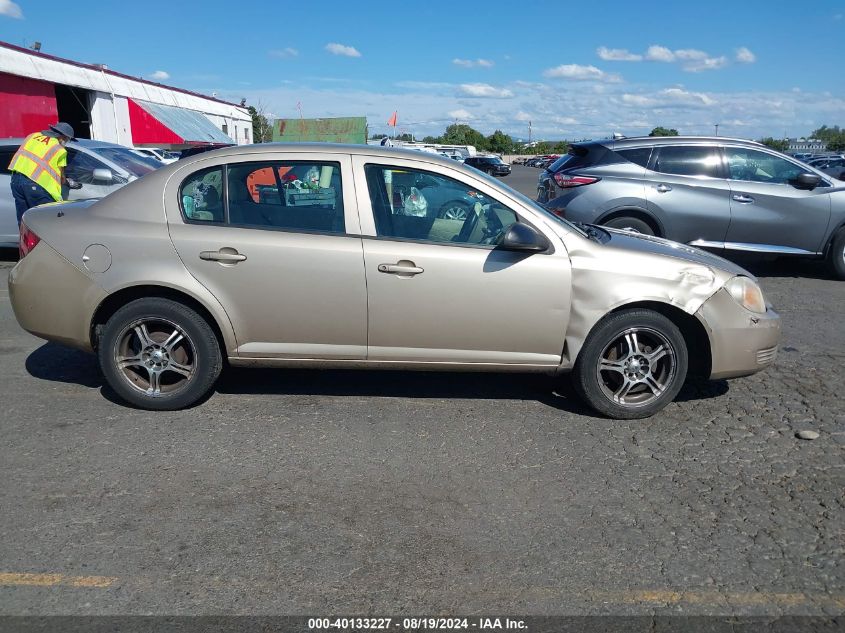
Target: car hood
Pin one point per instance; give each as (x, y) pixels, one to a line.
(637, 242)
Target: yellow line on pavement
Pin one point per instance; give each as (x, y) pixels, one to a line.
(54, 580)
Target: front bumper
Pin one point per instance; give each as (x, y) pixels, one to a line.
(741, 342)
(53, 299)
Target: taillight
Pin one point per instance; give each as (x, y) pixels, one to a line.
(566, 181)
(28, 241)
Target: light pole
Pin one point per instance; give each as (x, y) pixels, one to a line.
(716, 125)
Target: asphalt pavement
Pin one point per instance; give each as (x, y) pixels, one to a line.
(309, 492)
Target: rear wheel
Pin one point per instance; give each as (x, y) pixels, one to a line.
(836, 256)
(632, 364)
(159, 354)
(630, 223)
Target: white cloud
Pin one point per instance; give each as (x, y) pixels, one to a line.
(522, 116)
(745, 56)
(484, 91)
(10, 9)
(659, 54)
(340, 49)
(669, 98)
(284, 53)
(617, 55)
(679, 95)
(160, 75)
(639, 100)
(837, 17)
(469, 63)
(708, 63)
(690, 53)
(461, 115)
(576, 72)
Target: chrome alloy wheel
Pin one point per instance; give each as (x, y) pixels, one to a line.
(455, 212)
(155, 356)
(636, 367)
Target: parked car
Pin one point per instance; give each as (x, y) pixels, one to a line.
(189, 266)
(160, 155)
(100, 168)
(492, 165)
(832, 166)
(713, 192)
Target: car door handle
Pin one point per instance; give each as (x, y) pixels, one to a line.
(400, 268)
(224, 256)
(742, 198)
(663, 188)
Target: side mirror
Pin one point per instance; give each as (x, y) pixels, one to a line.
(103, 175)
(521, 237)
(806, 181)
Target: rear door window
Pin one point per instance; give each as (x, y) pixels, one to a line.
(689, 160)
(293, 196)
(638, 155)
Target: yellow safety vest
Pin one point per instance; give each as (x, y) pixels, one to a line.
(41, 159)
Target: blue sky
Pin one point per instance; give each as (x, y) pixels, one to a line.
(574, 70)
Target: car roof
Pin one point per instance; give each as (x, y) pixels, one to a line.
(324, 148)
(642, 141)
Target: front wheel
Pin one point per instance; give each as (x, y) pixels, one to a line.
(632, 364)
(159, 354)
(836, 256)
(454, 211)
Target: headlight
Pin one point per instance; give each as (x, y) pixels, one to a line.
(747, 294)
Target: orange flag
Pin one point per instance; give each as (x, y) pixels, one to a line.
(392, 120)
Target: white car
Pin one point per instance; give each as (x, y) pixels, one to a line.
(158, 154)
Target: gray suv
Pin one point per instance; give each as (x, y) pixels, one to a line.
(713, 192)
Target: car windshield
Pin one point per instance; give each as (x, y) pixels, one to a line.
(528, 202)
(135, 164)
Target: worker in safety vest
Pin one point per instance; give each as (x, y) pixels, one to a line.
(38, 168)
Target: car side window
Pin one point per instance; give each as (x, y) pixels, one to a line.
(81, 166)
(424, 206)
(6, 154)
(297, 196)
(689, 160)
(201, 196)
(757, 166)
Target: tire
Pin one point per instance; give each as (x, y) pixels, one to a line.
(606, 365)
(146, 367)
(836, 256)
(630, 223)
(454, 210)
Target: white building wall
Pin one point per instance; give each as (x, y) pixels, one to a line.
(110, 119)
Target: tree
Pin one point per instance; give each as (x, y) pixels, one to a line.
(561, 147)
(432, 139)
(262, 129)
(500, 143)
(834, 137)
(662, 131)
(780, 145)
(463, 134)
